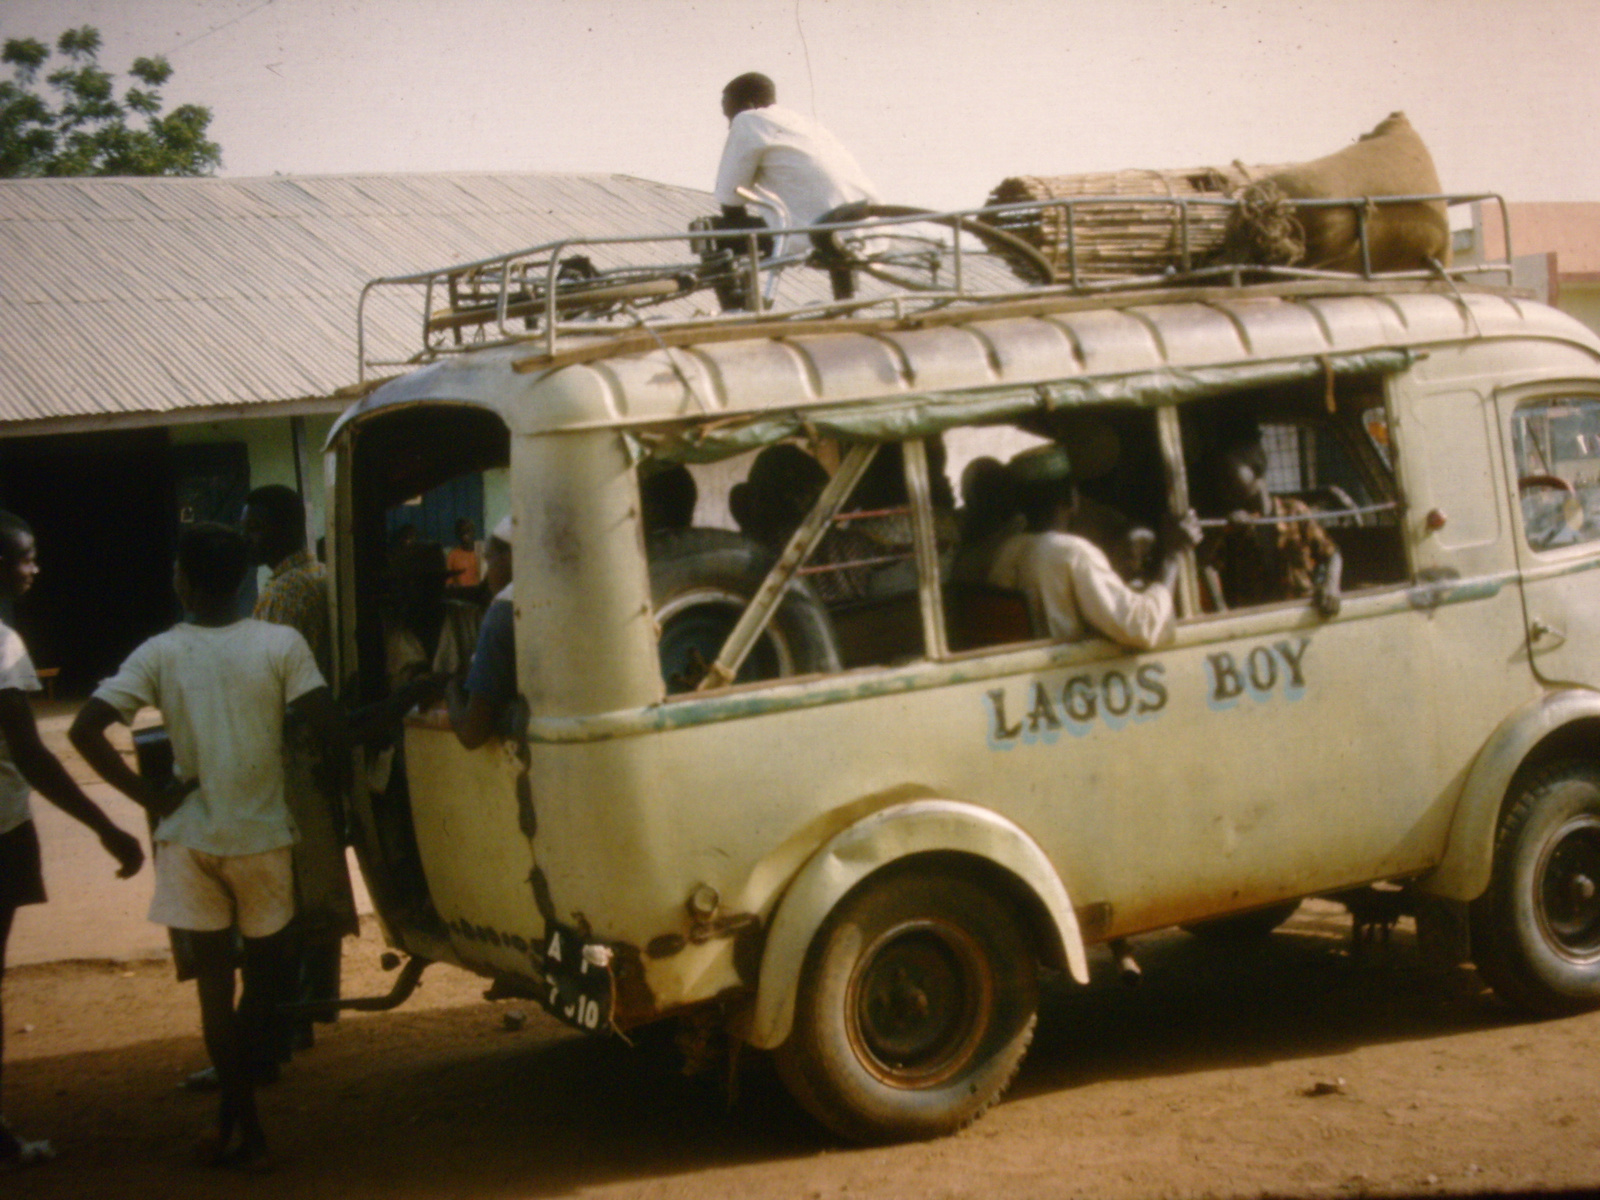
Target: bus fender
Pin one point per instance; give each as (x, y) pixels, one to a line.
(875, 841)
(1464, 872)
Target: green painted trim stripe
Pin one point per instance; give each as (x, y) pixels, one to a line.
(979, 666)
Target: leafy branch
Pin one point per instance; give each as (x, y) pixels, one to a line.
(83, 127)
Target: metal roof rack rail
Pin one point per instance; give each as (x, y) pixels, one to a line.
(884, 262)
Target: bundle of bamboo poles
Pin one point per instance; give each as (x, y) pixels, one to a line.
(1107, 237)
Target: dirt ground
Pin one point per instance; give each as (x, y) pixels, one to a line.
(1289, 1068)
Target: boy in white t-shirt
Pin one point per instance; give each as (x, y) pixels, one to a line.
(27, 765)
(222, 685)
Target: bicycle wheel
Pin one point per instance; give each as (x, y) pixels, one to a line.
(583, 292)
(917, 257)
(581, 289)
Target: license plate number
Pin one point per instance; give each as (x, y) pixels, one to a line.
(578, 985)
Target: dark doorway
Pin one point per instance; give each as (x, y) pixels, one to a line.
(101, 506)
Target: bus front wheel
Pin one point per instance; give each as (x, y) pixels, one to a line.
(1536, 931)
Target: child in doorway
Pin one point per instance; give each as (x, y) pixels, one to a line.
(26, 765)
(466, 570)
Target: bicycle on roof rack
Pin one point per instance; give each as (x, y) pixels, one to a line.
(584, 284)
(906, 248)
(910, 249)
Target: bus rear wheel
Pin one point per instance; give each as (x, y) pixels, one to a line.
(915, 1009)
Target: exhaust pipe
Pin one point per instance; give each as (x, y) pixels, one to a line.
(1127, 966)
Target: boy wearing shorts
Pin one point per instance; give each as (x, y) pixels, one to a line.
(27, 765)
(222, 685)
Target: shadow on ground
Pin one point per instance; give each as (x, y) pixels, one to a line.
(1303, 992)
(444, 1103)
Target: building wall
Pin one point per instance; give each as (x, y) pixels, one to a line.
(496, 497)
(101, 505)
(269, 443)
(1581, 300)
(107, 505)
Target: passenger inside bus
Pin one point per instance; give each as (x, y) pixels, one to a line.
(988, 516)
(667, 499)
(423, 630)
(480, 701)
(879, 511)
(1271, 548)
(1127, 545)
(1073, 591)
(782, 487)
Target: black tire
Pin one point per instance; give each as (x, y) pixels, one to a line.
(916, 1006)
(700, 582)
(1249, 926)
(1024, 260)
(1536, 931)
(604, 294)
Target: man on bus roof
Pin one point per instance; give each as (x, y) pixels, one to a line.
(776, 152)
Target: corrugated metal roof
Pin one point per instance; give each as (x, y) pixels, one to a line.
(166, 296)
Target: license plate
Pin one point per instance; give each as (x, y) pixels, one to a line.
(577, 975)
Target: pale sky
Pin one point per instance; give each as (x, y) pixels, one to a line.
(939, 99)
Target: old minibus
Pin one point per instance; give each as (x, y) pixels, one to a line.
(850, 804)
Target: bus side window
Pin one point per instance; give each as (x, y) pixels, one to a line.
(1282, 486)
(1556, 444)
(713, 532)
(1114, 458)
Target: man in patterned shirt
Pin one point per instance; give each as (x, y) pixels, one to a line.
(1271, 549)
(296, 595)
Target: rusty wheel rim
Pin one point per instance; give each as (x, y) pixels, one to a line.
(1567, 895)
(919, 1002)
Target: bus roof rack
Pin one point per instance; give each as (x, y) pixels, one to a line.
(889, 263)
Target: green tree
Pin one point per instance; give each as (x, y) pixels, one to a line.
(83, 128)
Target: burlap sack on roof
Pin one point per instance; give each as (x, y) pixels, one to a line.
(1111, 238)
(1389, 161)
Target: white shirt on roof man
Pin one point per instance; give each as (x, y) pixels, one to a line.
(778, 154)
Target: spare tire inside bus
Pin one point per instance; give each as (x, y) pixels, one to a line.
(700, 582)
